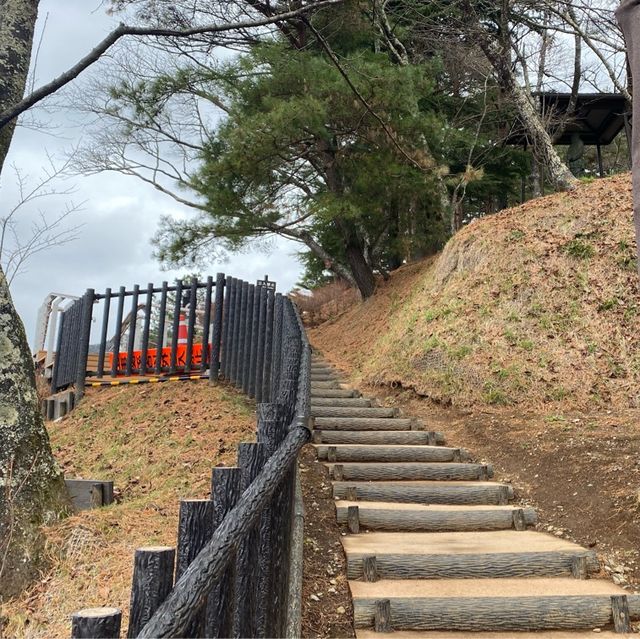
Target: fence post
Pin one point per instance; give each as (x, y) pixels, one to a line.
(216, 333)
(83, 338)
(225, 492)
(247, 339)
(255, 323)
(191, 325)
(195, 529)
(205, 358)
(262, 327)
(225, 328)
(177, 307)
(146, 329)
(152, 582)
(233, 332)
(271, 431)
(162, 319)
(103, 332)
(117, 338)
(251, 459)
(96, 623)
(268, 349)
(236, 331)
(242, 333)
(133, 317)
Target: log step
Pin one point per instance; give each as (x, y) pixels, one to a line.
(347, 402)
(351, 411)
(324, 377)
(355, 453)
(365, 423)
(426, 492)
(464, 555)
(342, 393)
(371, 437)
(435, 634)
(432, 471)
(436, 517)
(509, 604)
(324, 384)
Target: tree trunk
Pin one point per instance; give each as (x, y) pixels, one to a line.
(17, 24)
(628, 15)
(32, 490)
(498, 53)
(360, 269)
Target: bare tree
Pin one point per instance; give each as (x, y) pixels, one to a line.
(24, 234)
(32, 487)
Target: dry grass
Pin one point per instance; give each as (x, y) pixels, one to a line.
(537, 305)
(326, 302)
(158, 443)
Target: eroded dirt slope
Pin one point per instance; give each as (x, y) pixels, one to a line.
(536, 306)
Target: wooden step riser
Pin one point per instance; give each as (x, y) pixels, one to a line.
(426, 494)
(364, 423)
(467, 566)
(474, 614)
(339, 393)
(421, 438)
(324, 377)
(351, 411)
(413, 521)
(325, 384)
(334, 393)
(391, 454)
(410, 471)
(346, 402)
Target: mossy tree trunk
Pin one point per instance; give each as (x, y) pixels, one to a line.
(32, 490)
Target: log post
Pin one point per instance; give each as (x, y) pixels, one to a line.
(579, 567)
(96, 623)
(382, 616)
(225, 492)
(338, 472)
(251, 459)
(317, 437)
(351, 493)
(353, 519)
(431, 438)
(620, 611)
(152, 582)
(519, 521)
(195, 529)
(331, 454)
(217, 329)
(369, 568)
(503, 495)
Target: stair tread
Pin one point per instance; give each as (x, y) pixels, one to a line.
(362, 633)
(383, 446)
(448, 543)
(480, 588)
(417, 483)
(391, 505)
(407, 464)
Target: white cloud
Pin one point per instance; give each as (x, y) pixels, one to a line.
(120, 215)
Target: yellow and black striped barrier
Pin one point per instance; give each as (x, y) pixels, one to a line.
(146, 380)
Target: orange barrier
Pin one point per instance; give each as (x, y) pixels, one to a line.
(165, 362)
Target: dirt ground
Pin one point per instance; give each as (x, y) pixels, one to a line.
(326, 601)
(158, 443)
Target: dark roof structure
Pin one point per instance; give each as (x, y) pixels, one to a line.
(598, 118)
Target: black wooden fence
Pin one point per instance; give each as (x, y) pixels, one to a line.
(229, 574)
(168, 331)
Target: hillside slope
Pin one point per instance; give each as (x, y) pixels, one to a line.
(158, 444)
(536, 305)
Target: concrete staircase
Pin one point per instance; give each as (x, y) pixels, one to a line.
(435, 549)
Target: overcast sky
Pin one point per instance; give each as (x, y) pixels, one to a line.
(120, 214)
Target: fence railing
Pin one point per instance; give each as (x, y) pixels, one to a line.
(229, 575)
